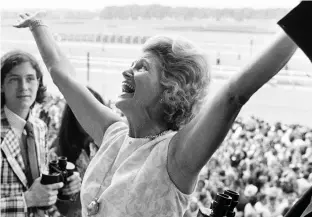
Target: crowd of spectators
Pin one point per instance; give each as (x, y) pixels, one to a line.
(269, 165)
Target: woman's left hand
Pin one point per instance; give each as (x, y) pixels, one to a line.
(26, 19)
(73, 186)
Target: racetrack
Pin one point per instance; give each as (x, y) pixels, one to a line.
(287, 103)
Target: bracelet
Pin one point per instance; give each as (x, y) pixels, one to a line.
(36, 23)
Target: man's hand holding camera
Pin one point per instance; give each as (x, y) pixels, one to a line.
(42, 195)
(73, 184)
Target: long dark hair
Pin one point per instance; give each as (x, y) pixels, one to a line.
(72, 137)
(15, 58)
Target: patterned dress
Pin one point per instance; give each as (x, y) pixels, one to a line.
(130, 177)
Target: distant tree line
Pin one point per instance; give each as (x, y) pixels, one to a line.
(162, 12)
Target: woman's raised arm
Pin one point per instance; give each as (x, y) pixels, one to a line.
(94, 117)
(193, 146)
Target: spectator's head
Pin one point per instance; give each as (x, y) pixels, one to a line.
(200, 185)
(253, 200)
(308, 136)
(202, 196)
(194, 205)
(250, 191)
(262, 197)
(229, 181)
(272, 195)
(235, 159)
(179, 74)
(288, 183)
(250, 124)
(222, 176)
(213, 163)
(21, 81)
(72, 137)
(204, 199)
(272, 199)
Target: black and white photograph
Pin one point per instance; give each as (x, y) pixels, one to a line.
(156, 108)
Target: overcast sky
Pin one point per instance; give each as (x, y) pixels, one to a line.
(99, 4)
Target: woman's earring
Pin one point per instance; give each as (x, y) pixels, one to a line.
(161, 100)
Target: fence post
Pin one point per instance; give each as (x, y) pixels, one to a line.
(251, 46)
(88, 67)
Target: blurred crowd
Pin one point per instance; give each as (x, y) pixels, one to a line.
(269, 165)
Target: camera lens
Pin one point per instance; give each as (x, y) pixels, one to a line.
(234, 201)
(62, 162)
(221, 205)
(53, 167)
(70, 167)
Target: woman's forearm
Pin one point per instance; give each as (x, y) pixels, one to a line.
(46, 45)
(262, 68)
(91, 114)
(57, 64)
(200, 138)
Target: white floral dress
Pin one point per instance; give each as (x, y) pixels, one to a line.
(130, 178)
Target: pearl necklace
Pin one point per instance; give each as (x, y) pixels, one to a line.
(157, 135)
(94, 207)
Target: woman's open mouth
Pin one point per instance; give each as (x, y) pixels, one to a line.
(127, 88)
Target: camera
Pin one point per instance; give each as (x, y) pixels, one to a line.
(222, 206)
(234, 201)
(59, 171)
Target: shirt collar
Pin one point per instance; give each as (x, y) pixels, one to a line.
(16, 122)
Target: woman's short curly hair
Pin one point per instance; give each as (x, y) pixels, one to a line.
(185, 76)
(17, 57)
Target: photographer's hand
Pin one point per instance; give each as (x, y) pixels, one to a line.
(42, 195)
(74, 184)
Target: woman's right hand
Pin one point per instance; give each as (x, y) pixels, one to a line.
(26, 19)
